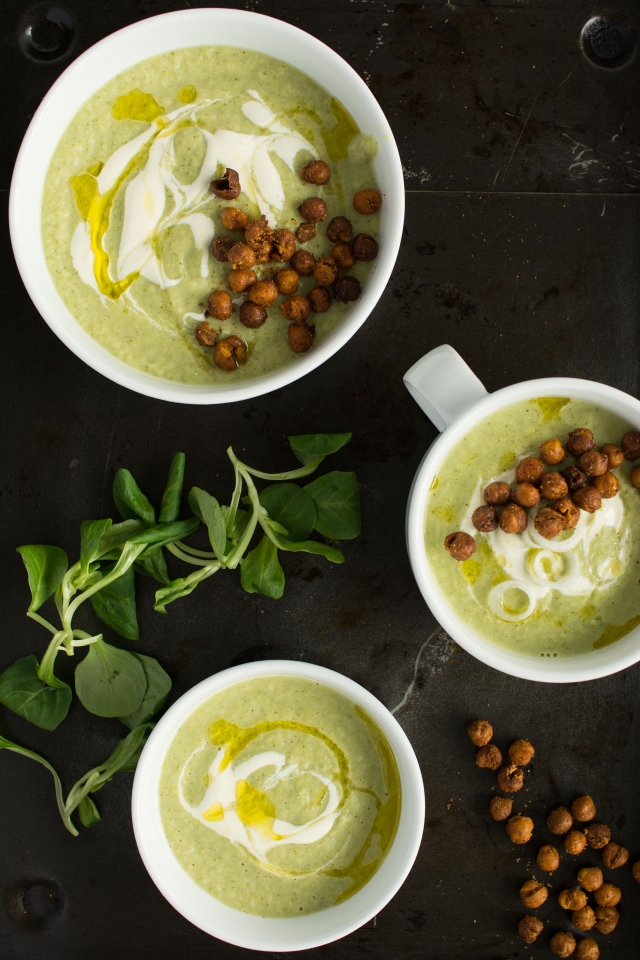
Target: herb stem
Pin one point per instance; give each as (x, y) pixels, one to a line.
(235, 500)
(41, 621)
(287, 475)
(192, 550)
(129, 554)
(194, 561)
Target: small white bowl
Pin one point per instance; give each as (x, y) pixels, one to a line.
(455, 400)
(123, 49)
(245, 929)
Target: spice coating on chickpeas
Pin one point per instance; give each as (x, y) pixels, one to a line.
(316, 171)
(489, 757)
(510, 778)
(630, 445)
(252, 315)
(364, 247)
(563, 944)
(553, 486)
(500, 807)
(306, 232)
(587, 949)
(295, 309)
(220, 247)
(320, 299)
(635, 477)
(606, 484)
(530, 928)
(220, 305)
(568, 511)
(575, 477)
(575, 842)
(497, 493)
(460, 545)
(228, 353)
(346, 289)
(560, 821)
(548, 858)
(366, 202)
(227, 187)
(485, 518)
(300, 337)
(284, 246)
(325, 271)
(264, 293)
(594, 463)
(584, 919)
(343, 255)
(530, 470)
(614, 856)
(513, 519)
(608, 895)
(607, 919)
(303, 262)
(614, 454)
(287, 281)
(240, 280)
(520, 829)
(339, 230)
(587, 499)
(598, 835)
(590, 878)
(548, 523)
(241, 256)
(580, 441)
(572, 899)
(583, 809)
(205, 336)
(313, 209)
(521, 752)
(552, 452)
(479, 732)
(533, 894)
(234, 219)
(525, 495)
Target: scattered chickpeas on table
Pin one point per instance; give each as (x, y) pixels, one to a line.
(500, 807)
(583, 809)
(480, 732)
(598, 835)
(575, 842)
(590, 878)
(533, 894)
(614, 856)
(587, 949)
(548, 858)
(560, 821)
(520, 828)
(563, 944)
(530, 928)
(572, 899)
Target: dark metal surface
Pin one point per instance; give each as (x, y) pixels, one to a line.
(522, 163)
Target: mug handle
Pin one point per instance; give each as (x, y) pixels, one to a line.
(443, 385)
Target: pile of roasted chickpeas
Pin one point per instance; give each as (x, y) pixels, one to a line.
(582, 485)
(561, 822)
(263, 246)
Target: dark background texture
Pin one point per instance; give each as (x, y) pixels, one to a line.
(522, 167)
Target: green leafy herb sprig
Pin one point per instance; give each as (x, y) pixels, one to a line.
(113, 682)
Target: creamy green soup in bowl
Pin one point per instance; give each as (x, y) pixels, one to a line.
(113, 217)
(278, 805)
(524, 540)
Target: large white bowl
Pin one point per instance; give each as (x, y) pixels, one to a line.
(248, 930)
(455, 400)
(109, 57)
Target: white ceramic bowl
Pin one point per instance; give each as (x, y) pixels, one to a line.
(248, 930)
(109, 57)
(455, 400)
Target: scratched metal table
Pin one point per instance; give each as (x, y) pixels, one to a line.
(522, 166)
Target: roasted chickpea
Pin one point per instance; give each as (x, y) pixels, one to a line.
(320, 299)
(553, 486)
(530, 928)
(366, 202)
(287, 281)
(262, 252)
(220, 305)
(525, 495)
(343, 255)
(513, 519)
(583, 809)
(485, 518)
(598, 835)
(510, 778)
(339, 229)
(316, 171)
(635, 477)
(205, 336)
(461, 546)
(500, 807)
(587, 949)
(615, 455)
(607, 919)
(614, 856)
(283, 246)
(313, 209)
(606, 484)
(497, 493)
(488, 757)
(227, 187)
(479, 732)
(575, 478)
(548, 523)
(346, 289)
(258, 232)
(234, 219)
(300, 337)
(551, 451)
(568, 511)
(608, 895)
(572, 899)
(240, 280)
(575, 842)
(590, 878)
(530, 470)
(560, 821)
(521, 752)
(252, 315)
(520, 829)
(563, 944)
(295, 309)
(630, 445)
(220, 247)
(548, 858)
(303, 262)
(587, 499)
(325, 271)
(533, 894)
(366, 248)
(263, 293)
(306, 232)
(594, 463)
(580, 441)
(228, 353)
(584, 919)
(636, 871)
(241, 256)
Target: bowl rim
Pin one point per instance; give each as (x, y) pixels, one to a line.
(29, 255)
(571, 669)
(249, 930)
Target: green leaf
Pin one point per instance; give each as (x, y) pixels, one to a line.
(119, 534)
(170, 506)
(129, 498)
(313, 446)
(153, 565)
(337, 501)
(292, 507)
(261, 571)
(314, 546)
(163, 533)
(31, 755)
(158, 687)
(240, 524)
(46, 566)
(115, 604)
(92, 534)
(22, 691)
(88, 812)
(209, 511)
(110, 682)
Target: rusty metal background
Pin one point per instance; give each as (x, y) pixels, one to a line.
(522, 166)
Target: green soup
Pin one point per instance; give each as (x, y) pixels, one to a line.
(128, 216)
(545, 598)
(280, 796)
